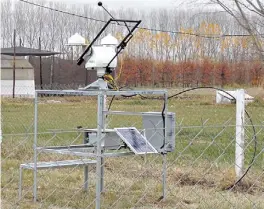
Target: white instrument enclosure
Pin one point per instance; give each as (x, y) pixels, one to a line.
(100, 56)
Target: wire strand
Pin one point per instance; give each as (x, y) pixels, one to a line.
(210, 36)
(61, 11)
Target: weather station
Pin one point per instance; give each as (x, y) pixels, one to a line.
(157, 134)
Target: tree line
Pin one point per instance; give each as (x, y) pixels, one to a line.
(198, 47)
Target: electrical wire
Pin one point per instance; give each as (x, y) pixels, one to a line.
(112, 99)
(209, 36)
(120, 69)
(110, 81)
(250, 119)
(254, 154)
(61, 11)
(163, 123)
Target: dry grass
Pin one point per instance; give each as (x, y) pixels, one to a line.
(139, 184)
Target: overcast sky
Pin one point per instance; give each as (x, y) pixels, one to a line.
(140, 4)
(128, 3)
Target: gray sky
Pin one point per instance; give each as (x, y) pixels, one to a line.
(138, 4)
(128, 3)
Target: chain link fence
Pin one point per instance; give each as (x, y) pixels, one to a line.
(200, 172)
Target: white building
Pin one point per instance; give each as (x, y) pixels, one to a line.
(224, 98)
(24, 77)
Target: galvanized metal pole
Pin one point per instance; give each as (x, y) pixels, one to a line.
(51, 71)
(164, 174)
(40, 66)
(100, 109)
(153, 76)
(102, 152)
(35, 146)
(240, 132)
(102, 172)
(86, 178)
(86, 135)
(20, 183)
(164, 155)
(14, 64)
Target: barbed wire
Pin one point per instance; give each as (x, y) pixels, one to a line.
(210, 36)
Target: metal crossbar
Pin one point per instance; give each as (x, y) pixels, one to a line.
(55, 164)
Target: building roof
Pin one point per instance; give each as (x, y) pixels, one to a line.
(21, 63)
(77, 40)
(234, 94)
(24, 51)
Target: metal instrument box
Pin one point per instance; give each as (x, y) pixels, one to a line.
(154, 131)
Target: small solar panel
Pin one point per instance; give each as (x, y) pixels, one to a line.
(135, 140)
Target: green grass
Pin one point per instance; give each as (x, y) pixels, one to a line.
(201, 167)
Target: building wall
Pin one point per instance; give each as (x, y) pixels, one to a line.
(23, 88)
(21, 74)
(65, 72)
(24, 78)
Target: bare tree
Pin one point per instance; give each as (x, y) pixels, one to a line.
(250, 15)
(55, 28)
(6, 23)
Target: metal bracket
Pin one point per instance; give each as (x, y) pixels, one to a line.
(99, 84)
(122, 44)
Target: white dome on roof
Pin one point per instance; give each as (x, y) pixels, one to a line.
(109, 40)
(77, 40)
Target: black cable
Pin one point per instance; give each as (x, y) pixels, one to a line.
(210, 36)
(202, 87)
(250, 119)
(63, 12)
(111, 103)
(254, 154)
(163, 121)
(112, 99)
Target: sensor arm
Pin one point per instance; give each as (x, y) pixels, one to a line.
(100, 4)
(120, 47)
(126, 39)
(81, 59)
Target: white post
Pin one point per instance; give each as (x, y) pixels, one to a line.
(240, 133)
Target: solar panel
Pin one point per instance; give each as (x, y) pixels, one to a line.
(135, 140)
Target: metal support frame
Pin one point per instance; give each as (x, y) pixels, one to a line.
(164, 175)
(122, 44)
(35, 145)
(164, 154)
(53, 164)
(85, 185)
(101, 125)
(20, 183)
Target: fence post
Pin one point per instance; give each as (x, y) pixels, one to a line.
(99, 159)
(35, 146)
(240, 132)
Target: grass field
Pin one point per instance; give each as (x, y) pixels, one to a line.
(199, 170)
